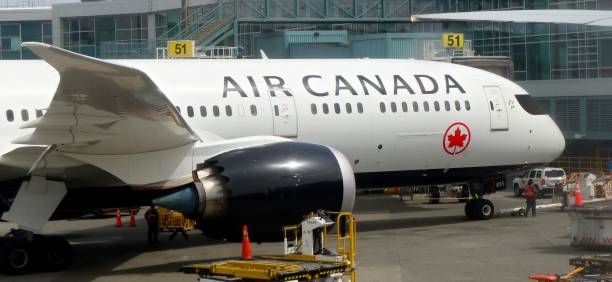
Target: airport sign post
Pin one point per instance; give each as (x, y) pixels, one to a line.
(181, 49)
(452, 40)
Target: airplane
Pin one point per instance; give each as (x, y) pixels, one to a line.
(258, 142)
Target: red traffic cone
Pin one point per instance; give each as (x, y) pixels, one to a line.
(118, 222)
(578, 196)
(246, 244)
(132, 218)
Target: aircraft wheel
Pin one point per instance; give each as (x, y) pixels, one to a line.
(483, 209)
(15, 257)
(57, 254)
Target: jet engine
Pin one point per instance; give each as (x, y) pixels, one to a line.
(265, 187)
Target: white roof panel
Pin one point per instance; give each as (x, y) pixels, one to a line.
(588, 17)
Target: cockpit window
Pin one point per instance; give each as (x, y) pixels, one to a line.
(529, 104)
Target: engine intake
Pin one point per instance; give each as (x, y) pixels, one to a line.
(265, 187)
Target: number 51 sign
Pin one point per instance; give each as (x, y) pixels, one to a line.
(181, 49)
(452, 40)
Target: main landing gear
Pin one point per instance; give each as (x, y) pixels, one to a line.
(23, 251)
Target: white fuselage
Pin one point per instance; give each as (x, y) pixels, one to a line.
(382, 132)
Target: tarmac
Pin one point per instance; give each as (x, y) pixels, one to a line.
(397, 241)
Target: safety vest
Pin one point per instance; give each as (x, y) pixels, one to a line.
(529, 192)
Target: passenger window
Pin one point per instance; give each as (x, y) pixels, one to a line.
(383, 108)
(313, 109)
(228, 110)
(393, 107)
(491, 105)
(415, 106)
(359, 108)
(216, 111)
(9, 115)
(426, 106)
(457, 106)
(253, 110)
(538, 174)
(325, 109)
(39, 113)
(178, 109)
(532, 174)
(447, 106)
(349, 108)
(467, 105)
(404, 107)
(337, 108)
(190, 111)
(203, 112)
(24, 115)
(276, 113)
(437, 106)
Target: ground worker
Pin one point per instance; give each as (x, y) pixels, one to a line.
(152, 217)
(530, 197)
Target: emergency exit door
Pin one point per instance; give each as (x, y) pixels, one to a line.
(497, 108)
(284, 115)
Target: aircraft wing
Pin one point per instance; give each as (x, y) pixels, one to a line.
(587, 17)
(104, 108)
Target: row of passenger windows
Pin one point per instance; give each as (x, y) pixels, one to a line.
(314, 109)
(348, 107)
(25, 115)
(216, 111)
(393, 107)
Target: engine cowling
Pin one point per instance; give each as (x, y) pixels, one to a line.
(265, 187)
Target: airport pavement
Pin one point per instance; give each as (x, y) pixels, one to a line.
(397, 241)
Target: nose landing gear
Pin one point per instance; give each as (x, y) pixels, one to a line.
(23, 251)
(480, 209)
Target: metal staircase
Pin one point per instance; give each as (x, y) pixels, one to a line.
(205, 29)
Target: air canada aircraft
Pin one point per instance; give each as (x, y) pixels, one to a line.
(258, 142)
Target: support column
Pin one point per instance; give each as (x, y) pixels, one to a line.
(56, 31)
(151, 31)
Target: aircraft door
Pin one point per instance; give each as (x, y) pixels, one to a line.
(497, 108)
(284, 115)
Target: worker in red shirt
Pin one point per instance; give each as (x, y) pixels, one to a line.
(530, 194)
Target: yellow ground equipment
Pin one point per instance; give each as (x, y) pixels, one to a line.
(321, 248)
(170, 220)
(586, 268)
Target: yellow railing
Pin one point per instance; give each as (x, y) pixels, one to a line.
(597, 166)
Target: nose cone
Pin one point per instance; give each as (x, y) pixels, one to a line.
(557, 141)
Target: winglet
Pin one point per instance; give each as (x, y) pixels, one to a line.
(61, 59)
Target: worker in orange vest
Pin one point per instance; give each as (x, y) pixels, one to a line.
(530, 197)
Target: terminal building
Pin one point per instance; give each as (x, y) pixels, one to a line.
(567, 67)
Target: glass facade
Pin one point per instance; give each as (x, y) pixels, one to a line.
(13, 34)
(85, 34)
(539, 51)
(167, 21)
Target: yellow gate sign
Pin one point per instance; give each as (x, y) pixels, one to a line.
(452, 40)
(181, 49)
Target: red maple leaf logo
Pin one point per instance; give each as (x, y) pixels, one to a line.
(457, 139)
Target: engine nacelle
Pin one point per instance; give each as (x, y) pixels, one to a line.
(265, 187)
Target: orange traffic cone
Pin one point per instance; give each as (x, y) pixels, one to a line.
(132, 218)
(578, 196)
(118, 222)
(246, 244)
